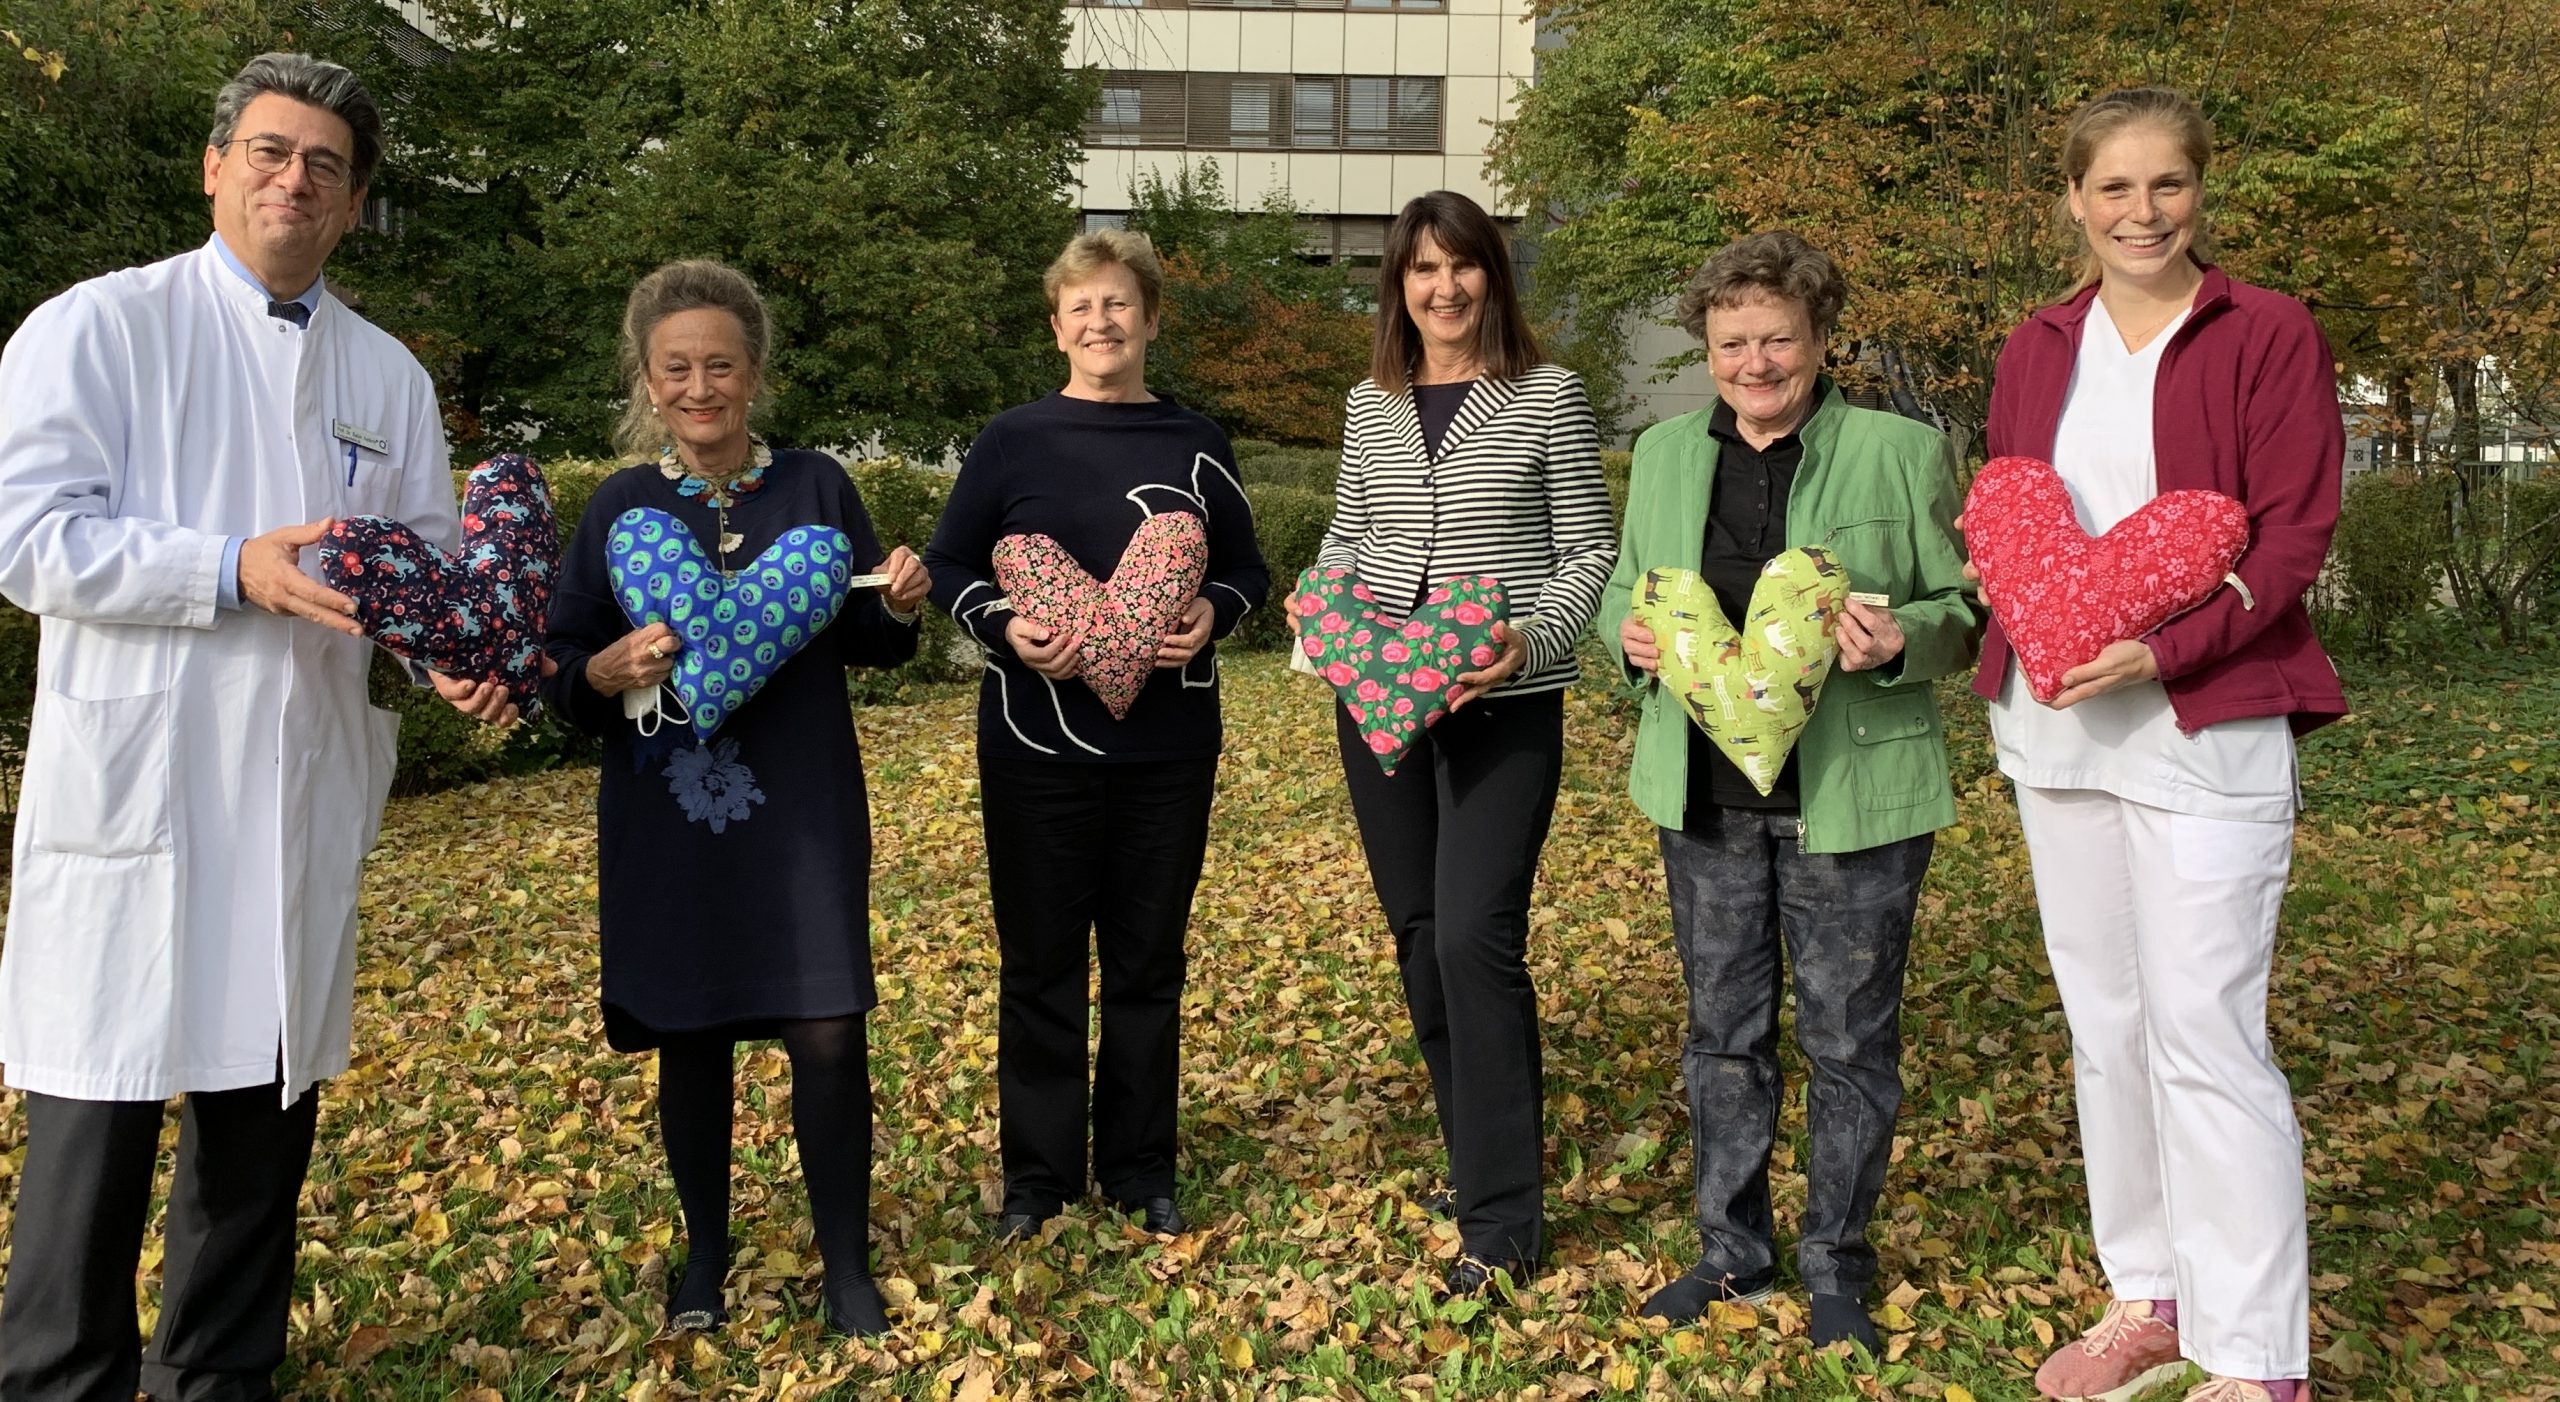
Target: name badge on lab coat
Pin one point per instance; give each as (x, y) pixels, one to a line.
(355, 437)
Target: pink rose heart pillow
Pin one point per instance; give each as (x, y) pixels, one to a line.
(2062, 597)
(1118, 623)
(1394, 677)
(478, 616)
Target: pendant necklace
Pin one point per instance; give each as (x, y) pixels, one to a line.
(719, 494)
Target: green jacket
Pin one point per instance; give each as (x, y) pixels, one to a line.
(1879, 491)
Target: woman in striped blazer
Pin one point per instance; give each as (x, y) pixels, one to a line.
(1466, 453)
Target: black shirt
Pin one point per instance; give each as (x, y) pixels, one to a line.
(1437, 406)
(1746, 526)
(1087, 474)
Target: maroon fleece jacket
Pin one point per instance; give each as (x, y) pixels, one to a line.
(2246, 404)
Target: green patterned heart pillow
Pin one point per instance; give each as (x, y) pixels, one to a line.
(1750, 690)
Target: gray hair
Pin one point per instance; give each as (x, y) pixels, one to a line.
(305, 79)
(694, 284)
(1776, 263)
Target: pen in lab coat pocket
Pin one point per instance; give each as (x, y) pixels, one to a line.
(351, 464)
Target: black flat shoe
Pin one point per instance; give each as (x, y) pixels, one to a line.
(1441, 1202)
(1157, 1215)
(1021, 1226)
(694, 1305)
(1473, 1277)
(1685, 1299)
(1843, 1319)
(854, 1307)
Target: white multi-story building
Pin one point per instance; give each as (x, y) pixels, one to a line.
(1350, 107)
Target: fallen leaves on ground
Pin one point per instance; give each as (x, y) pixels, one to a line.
(488, 1215)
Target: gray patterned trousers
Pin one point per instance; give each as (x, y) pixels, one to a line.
(1739, 887)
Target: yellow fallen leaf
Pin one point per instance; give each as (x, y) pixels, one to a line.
(1236, 1351)
(430, 1227)
(1958, 1392)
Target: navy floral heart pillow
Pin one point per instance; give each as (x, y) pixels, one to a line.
(477, 616)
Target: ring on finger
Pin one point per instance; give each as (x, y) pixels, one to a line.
(658, 651)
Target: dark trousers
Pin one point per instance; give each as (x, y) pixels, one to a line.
(1452, 839)
(67, 1326)
(1113, 850)
(1739, 887)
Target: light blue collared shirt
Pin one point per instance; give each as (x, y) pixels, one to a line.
(310, 300)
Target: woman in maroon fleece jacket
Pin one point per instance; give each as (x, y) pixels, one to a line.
(2157, 791)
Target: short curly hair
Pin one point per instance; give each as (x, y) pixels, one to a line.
(1775, 263)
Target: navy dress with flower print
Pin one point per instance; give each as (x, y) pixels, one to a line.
(734, 883)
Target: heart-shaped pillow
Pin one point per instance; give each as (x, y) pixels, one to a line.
(1119, 623)
(1394, 677)
(1750, 689)
(737, 630)
(478, 617)
(2060, 596)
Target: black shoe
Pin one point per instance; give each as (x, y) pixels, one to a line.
(854, 1308)
(1473, 1277)
(1685, 1299)
(1441, 1202)
(1021, 1226)
(694, 1304)
(1843, 1318)
(1157, 1215)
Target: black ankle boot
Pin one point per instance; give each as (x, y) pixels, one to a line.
(854, 1307)
(693, 1301)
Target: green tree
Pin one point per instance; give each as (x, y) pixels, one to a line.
(893, 173)
(1915, 141)
(104, 106)
(1256, 336)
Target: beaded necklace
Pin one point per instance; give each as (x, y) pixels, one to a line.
(722, 493)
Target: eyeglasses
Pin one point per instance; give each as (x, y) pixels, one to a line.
(326, 168)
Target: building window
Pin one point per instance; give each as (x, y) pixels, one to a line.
(1137, 109)
(1097, 220)
(1266, 111)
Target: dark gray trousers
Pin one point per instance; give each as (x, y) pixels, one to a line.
(68, 1332)
(1740, 888)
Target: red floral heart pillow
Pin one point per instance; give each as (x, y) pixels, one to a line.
(2061, 596)
(1120, 622)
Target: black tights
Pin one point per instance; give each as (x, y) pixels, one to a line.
(831, 1114)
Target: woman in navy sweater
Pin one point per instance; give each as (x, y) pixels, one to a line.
(1096, 823)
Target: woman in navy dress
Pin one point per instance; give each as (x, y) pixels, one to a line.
(734, 889)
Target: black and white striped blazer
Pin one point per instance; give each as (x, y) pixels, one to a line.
(1515, 493)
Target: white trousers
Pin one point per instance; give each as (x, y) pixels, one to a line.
(2161, 927)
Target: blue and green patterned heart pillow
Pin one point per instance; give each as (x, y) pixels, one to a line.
(737, 631)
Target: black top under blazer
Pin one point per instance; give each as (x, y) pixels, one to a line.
(1514, 492)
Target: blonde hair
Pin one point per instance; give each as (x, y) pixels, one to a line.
(695, 284)
(1087, 254)
(2101, 118)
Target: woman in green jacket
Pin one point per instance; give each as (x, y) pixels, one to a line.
(1828, 858)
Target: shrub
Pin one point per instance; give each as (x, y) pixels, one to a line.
(1288, 522)
(1275, 465)
(2386, 557)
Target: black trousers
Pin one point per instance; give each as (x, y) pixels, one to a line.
(1088, 861)
(1453, 838)
(67, 1327)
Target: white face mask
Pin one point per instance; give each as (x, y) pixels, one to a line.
(647, 710)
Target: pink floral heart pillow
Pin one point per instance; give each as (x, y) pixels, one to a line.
(1119, 622)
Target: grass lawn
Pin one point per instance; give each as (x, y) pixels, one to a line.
(489, 1218)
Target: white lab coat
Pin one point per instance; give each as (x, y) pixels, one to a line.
(201, 784)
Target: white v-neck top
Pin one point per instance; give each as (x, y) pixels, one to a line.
(2127, 741)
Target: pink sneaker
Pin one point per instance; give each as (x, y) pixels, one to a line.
(2129, 1353)
(2237, 1390)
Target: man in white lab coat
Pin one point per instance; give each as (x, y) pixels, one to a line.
(204, 775)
